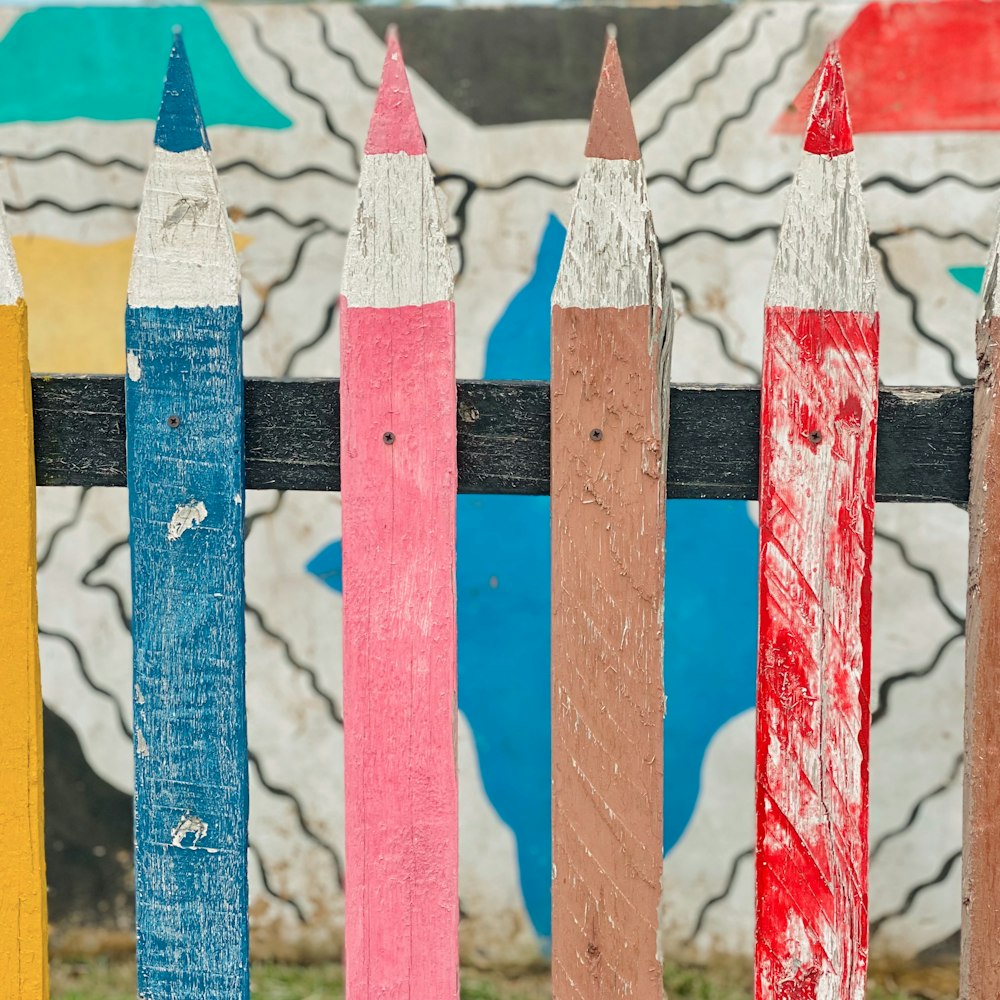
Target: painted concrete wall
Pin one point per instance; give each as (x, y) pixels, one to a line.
(502, 95)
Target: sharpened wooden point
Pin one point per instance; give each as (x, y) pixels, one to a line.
(612, 132)
(829, 130)
(394, 127)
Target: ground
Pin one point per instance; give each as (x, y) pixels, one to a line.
(103, 980)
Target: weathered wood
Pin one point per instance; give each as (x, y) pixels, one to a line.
(610, 355)
(184, 414)
(817, 505)
(293, 438)
(24, 969)
(980, 972)
(398, 427)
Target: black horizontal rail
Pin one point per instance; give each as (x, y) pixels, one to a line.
(293, 437)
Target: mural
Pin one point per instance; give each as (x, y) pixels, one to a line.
(503, 97)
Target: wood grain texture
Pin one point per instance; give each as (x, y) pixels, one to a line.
(399, 480)
(980, 964)
(293, 438)
(23, 921)
(184, 418)
(817, 501)
(609, 407)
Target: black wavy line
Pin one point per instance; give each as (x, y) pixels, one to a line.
(308, 95)
(913, 303)
(99, 563)
(300, 251)
(284, 793)
(461, 214)
(346, 56)
(720, 333)
(888, 683)
(917, 806)
(332, 706)
(754, 94)
(712, 75)
(519, 179)
(909, 187)
(261, 210)
(325, 328)
(957, 234)
(916, 890)
(746, 237)
(291, 176)
(69, 210)
(115, 161)
(719, 897)
(926, 571)
(731, 185)
(251, 519)
(65, 526)
(269, 889)
(81, 664)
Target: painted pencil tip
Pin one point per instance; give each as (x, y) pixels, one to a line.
(394, 127)
(829, 130)
(179, 126)
(612, 131)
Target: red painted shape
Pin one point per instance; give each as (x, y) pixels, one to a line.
(400, 652)
(817, 502)
(829, 131)
(394, 127)
(917, 67)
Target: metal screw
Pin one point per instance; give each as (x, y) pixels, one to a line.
(173, 420)
(596, 434)
(815, 437)
(388, 437)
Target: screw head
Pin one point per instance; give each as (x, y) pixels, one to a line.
(596, 434)
(173, 420)
(815, 437)
(388, 437)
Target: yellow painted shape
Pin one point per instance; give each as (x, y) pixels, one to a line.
(23, 915)
(77, 295)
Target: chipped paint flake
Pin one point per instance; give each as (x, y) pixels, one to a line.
(141, 746)
(185, 517)
(132, 366)
(188, 824)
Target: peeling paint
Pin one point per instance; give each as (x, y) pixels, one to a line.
(141, 746)
(132, 366)
(188, 823)
(186, 516)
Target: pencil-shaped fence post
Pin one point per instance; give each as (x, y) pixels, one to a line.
(24, 968)
(980, 975)
(610, 359)
(184, 417)
(818, 411)
(399, 479)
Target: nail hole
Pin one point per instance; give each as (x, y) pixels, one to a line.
(596, 434)
(815, 437)
(173, 420)
(388, 437)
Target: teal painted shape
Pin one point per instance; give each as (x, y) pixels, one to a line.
(971, 277)
(107, 63)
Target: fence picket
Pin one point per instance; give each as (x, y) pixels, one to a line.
(23, 923)
(610, 359)
(818, 411)
(399, 480)
(980, 970)
(184, 417)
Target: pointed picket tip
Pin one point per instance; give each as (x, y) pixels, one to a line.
(612, 131)
(179, 126)
(829, 130)
(394, 127)
(11, 289)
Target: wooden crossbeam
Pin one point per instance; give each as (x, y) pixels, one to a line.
(293, 438)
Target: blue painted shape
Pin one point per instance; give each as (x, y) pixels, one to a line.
(104, 63)
(328, 565)
(191, 780)
(503, 581)
(179, 126)
(970, 277)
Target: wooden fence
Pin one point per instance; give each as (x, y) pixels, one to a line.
(187, 435)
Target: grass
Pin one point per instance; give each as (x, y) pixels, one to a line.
(97, 979)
